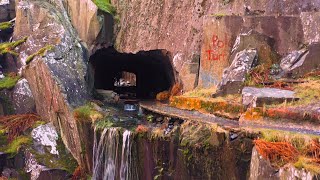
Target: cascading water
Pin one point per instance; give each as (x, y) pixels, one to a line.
(107, 162)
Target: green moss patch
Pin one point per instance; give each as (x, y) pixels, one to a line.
(41, 52)
(8, 47)
(8, 82)
(106, 6)
(64, 161)
(16, 144)
(5, 25)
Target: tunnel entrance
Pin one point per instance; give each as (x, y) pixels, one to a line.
(140, 75)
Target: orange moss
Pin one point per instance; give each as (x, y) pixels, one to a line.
(253, 114)
(278, 153)
(163, 96)
(141, 129)
(176, 89)
(78, 174)
(218, 107)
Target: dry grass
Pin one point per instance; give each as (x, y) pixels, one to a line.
(16, 125)
(278, 153)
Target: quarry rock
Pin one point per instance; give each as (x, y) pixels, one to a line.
(260, 168)
(220, 36)
(257, 97)
(299, 63)
(22, 97)
(108, 96)
(234, 76)
(45, 135)
(56, 78)
(290, 172)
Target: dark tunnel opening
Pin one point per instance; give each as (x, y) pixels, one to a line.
(142, 75)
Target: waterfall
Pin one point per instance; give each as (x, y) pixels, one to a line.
(107, 162)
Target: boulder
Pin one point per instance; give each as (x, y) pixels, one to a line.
(234, 76)
(45, 135)
(261, 168)
(22, 98)
(257, 97)
(290, 172)
(262, 43)
(108, 96)
(299, 63)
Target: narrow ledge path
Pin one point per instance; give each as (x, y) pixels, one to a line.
(166, 110)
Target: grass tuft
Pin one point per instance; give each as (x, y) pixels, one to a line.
(8, 47)
(106, 6)
(5, 25)
(41, 52)
(87, 113)
(8, 82)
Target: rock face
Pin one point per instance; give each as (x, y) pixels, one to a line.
(234, 77)
(257, 97)
(22, 98)
(45, 135)
(183, 29)
(57, 79)
(290, 172)
(92, 25)
(299, 63)
(260, 168)
(7, 10)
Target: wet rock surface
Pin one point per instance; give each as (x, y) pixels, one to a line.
(22, 97)
(234, 77)
(257, 97)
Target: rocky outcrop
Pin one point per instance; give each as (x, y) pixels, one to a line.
(56, 79)
(258, 97)
(234, 76)
(22, 98)
(260, 168)
(299, 63)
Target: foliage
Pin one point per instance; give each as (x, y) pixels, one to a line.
(86, 113)
(8, 47)
(105, 123)
(162, 96)
(308, 164)
(278, 153)
(142, 129)
(5, 25)
(15, 145)
(41, 52)
(106, 6)
(15, 125)
(8, 82)
(206, 93)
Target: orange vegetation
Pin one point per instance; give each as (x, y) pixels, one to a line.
(78, 174)
(17, 124)
(141, 129)
(162, 96)
(313, 151)
(277, 152)
(176, 89)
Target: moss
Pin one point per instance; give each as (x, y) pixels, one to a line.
(105, 123)
(106, 6)
(298, 140)
(5, 25)
(307, 164)
(86, 113)
(16, 144)
(8, 47)
(8, 82)
(199, 92)
(41, 52)
(64, 161)
(3, 137)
